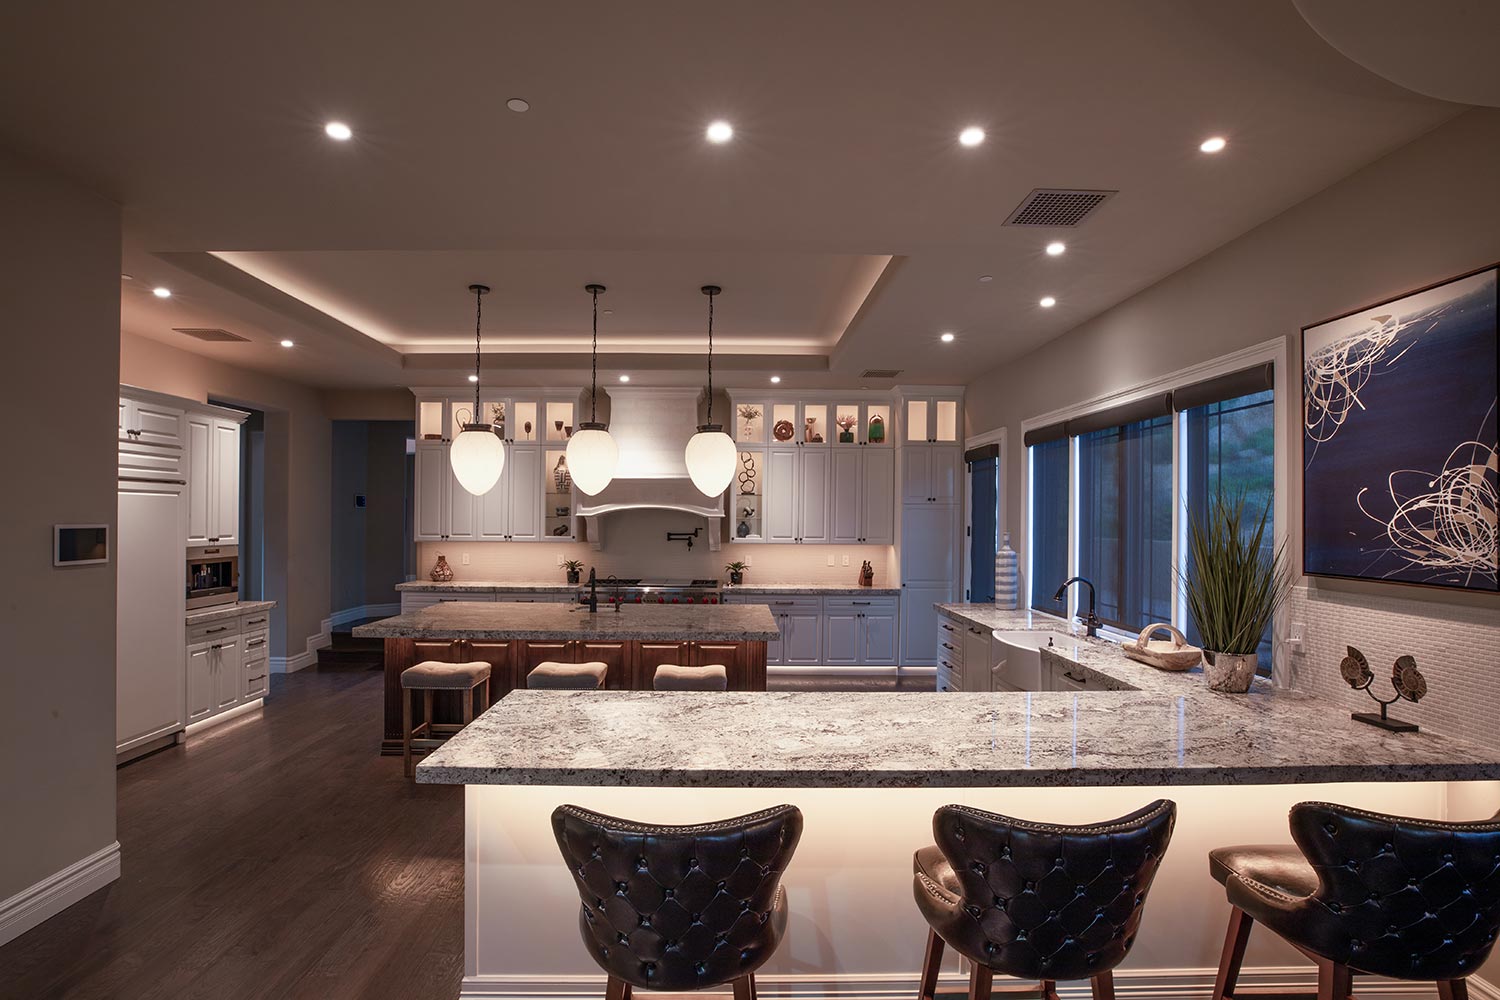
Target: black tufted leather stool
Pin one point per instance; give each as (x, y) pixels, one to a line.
(679, 908)
(1034, 900)
(1365, 892)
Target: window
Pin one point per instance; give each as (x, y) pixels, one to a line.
(1230, 447)
(1125, 521)
(1049, 523)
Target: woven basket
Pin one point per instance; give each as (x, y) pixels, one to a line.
(1175, 655)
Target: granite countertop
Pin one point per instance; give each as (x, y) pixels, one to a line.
(643, 622)
(838, 589)
(199, 616)
(486, 586)
(791, 739)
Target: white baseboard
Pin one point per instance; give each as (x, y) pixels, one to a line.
(306, 658)
(55, 893)
(364, 611)
(1130, 984)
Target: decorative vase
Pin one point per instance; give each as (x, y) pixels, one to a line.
(1007, 575)
(743, 530)
(441, 571)
(736, 577)
(876, 433)
(561, 478)
(1229, 672)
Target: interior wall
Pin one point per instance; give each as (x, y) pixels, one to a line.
(368, 544)
(298, 464)
(1426, 212)
(60, 283)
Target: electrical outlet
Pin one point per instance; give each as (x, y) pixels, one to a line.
(830, 558)
(466, 559)
(846, 558)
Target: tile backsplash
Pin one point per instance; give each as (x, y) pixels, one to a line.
(1457, 648)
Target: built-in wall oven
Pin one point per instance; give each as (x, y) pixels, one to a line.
(213, 575)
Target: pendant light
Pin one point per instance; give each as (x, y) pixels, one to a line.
(592, 453)
(710, 455)
(478, 454)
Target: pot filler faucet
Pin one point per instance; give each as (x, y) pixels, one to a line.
(1092, 622)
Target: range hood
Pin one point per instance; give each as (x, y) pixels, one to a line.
(651, 427)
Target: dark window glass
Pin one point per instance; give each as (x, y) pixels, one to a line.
(1231, 448)
(1049, 523)
(1125, 521)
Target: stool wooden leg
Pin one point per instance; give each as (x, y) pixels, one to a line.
(981, 981)
(1453, 989)
(1335, 982)
(931, 963)
(616, 989)
(1104, 986)
(406, 733)
(1233, 956)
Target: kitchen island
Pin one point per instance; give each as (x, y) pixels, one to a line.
(514, 637)
(869, 769)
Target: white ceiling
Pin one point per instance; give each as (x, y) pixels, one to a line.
(844, 221)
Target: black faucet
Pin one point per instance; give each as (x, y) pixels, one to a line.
(593, 593)
(1092, 622)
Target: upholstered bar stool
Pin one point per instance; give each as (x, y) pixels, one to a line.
(568, 676)
(1364, 892)
(435, 675)
(671, 677)
(1037, 901)
(679, 908)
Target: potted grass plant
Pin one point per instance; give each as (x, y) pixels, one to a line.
(1234, 588)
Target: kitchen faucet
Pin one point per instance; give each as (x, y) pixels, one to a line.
(1092, 622)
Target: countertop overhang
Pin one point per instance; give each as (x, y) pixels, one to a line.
(643, 622)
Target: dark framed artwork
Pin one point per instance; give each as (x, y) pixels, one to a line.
(1399, 439)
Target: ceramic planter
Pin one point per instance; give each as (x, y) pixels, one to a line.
(1229, 672)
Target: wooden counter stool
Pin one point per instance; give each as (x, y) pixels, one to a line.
(435, 675)
(671, 677)
(1035, 900)
(679, 908)
(568, 676)
(1364, 892)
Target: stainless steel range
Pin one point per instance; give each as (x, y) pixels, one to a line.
(625, 590)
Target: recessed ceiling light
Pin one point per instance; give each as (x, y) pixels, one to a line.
(473, 378)
(161, 293)
(720, 131)
(986, 278)
(1055, 248)
(339, 131)
(517, 105)
(775, 379)
(971, 136)
(946, 338)
(1047, 302)
(1213, 144)
(287, 343)
(624, 378)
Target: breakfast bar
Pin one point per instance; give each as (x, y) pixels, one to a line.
(513, 638)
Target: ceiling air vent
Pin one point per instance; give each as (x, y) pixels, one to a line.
(211, 334)
(1057, 207)
(881, 372)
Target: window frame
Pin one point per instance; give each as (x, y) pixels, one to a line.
(1274, 351)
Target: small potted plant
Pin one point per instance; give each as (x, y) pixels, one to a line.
(574, 568)
(736, 571)
(846, 422)
(1233, 588)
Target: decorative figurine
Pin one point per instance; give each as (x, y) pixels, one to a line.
(876, 433)
(561, 477)
(867, 575)
(846, 422)
(1406, 679)
(441, 571)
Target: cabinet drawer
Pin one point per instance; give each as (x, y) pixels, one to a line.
(219, 631)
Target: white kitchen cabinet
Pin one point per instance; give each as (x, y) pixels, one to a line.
(148, 616)
(213, 480)
(200, 681)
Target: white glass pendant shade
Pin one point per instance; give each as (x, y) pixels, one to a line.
(711, 460)
(477, 458)
(593, 457)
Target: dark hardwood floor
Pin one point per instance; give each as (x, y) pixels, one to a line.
(279, 856)
(274, 856)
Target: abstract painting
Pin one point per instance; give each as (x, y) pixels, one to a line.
(1399, 479)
